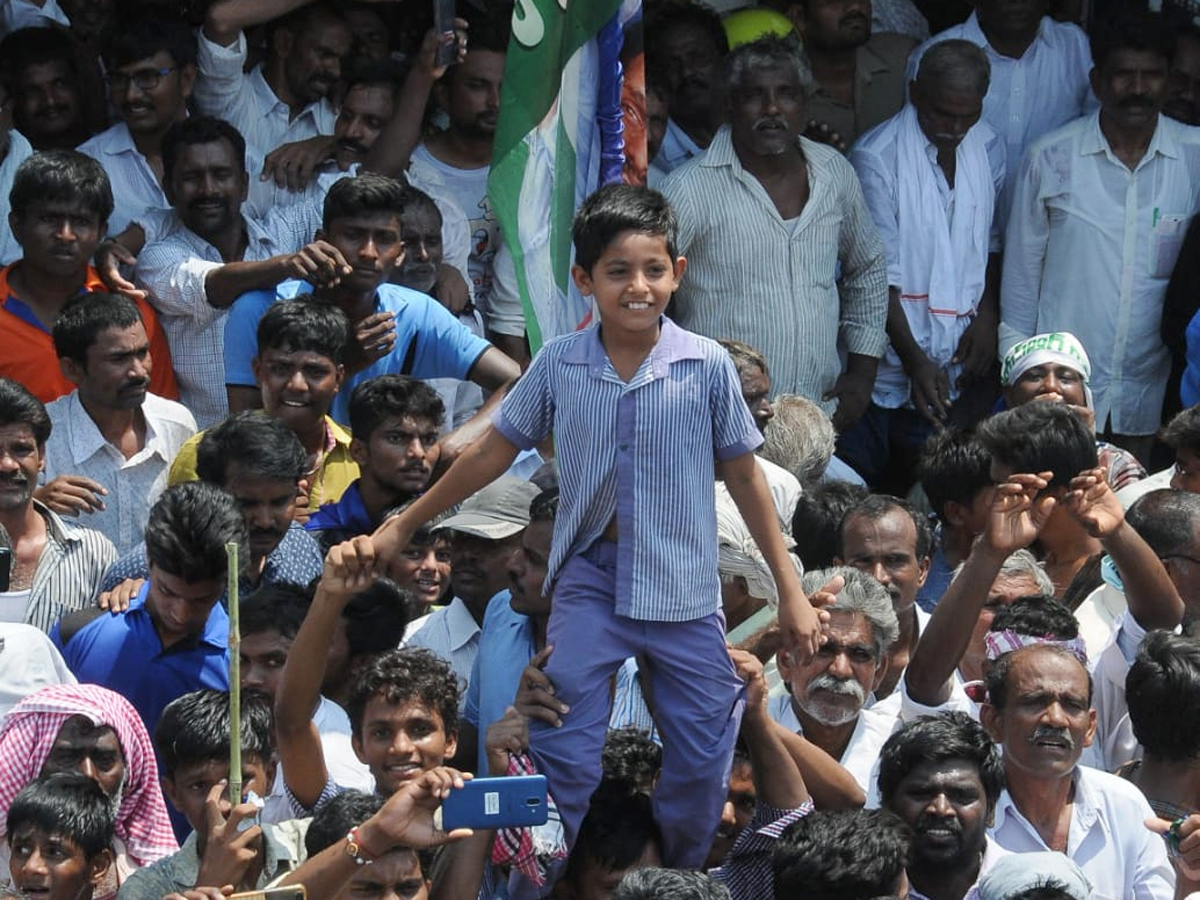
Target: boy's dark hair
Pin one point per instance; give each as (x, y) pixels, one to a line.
(618, 827)
(1183, 431)
(617, 208)
(1163, 682)
(386, 73)
(838, 854)
(1131, 28)
(817, 519)
(194, 729)
(188, 528)
(399, 676)
(334, 818)
(1166, 520)
(366, 195)
(953, 467)
(195, 131)
(386, 396)
(376, 618)
(260, 445)
(85, 316)
(630, 756)
(942, 738)
(996, 676)
(654, 883)
(1040, 437)
(68, 804)
(874, 507)
(306, 326)
(275, 606)
(1036, 615)
(140, 36)
(61, 176)
(20, 407)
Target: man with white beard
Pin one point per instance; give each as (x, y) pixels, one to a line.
(825, 698)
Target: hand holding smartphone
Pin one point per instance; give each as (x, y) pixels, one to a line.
(516, 802)
(443, 24)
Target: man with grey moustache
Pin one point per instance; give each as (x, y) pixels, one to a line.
(826, 697)
(1039, 709)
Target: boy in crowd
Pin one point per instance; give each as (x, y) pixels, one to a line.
(616, 596)
(60, 834)
(226, 845)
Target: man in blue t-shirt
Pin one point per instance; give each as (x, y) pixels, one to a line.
(396, 330)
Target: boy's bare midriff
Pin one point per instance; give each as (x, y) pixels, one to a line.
(610, 530)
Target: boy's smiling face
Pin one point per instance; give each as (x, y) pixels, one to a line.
(401, 740)
(632, 282)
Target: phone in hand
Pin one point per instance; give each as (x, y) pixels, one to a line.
(516, 802)
(443, 22)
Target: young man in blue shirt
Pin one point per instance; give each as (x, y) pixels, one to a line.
(633, 561)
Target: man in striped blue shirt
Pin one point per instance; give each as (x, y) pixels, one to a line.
(641, 411)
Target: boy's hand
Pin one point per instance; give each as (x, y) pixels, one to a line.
(349, 568)
(406, 820)
(391, 538)
(800, 627)
(118, 599)
(375, 336)
(228, 852)
(535, 694)
(1093, 503)
(507, 736)
(750, 670)
(69, 495)
(1017, 514)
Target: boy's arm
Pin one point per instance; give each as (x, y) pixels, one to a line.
(300, 751)
(798, 622)
(776, 775)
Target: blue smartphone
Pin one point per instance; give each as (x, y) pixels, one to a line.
(516, 802)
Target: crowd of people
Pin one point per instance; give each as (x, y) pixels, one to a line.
(851, 552)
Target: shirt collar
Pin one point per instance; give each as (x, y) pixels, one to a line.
(258, 84)
(61, 532)
(335, 435)
(460, 624)
(674, 344)
(120, 140)
(1165, 141)
(87, 441)
(216, 629)
(974, 33)
(1084, 811)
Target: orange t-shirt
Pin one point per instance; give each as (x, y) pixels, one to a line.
(27, 350)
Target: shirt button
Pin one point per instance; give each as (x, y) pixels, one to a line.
(623, 446)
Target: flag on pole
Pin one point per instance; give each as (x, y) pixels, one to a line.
(558, 138)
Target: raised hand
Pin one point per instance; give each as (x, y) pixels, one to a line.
(1092, 502)
(1018, 512)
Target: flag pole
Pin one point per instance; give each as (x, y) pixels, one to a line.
(235, 677)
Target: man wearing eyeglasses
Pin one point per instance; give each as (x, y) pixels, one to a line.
(151, 64)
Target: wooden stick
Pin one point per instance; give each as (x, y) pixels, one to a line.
(235, 678)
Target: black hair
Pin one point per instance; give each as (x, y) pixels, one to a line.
(489, 29)
(275, 606)
(1040, 437)
(616, 208)
(35, 46)
(660, 17)
(653, 883)
(399, 676)
(544, 507)
(953, 467)
(366, 195)
(616, 831)
(874, 507)
(1037, 615)
(1045, 889)
(257, 444)
(630, 756)
(194, 729)
(188, 528)
(334, 818)
(996, 676)
(1166, 520)
(20, 407)
(415, 198)
(1183, 431)
(140, 36)
(935, 739)
(376, 618)
(68, 804)
(386, 396)
(389, 73)
(194, 131)
(85, 316)
(1162, 683)
(61, 176)
(306, 326)
(1130, 28)
(305, 17)
(838, 854)
(817, 519)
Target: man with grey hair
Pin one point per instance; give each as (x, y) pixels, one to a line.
(800, 438)
(931, 176)
(768, 216)
(826, 698)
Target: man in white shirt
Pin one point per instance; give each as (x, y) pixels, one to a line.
(1100, 210)
(484, 533)
(931, 176)
(110, 429)
(1039, 73)
(1039, 710)
(826, 697)
(14, 150)
(287, 97)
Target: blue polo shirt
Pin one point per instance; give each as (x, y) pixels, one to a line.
(123, 653)
(430, 341)
(347, 514)
(505, 648)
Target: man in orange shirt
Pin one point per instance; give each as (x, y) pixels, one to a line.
(60, 204)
